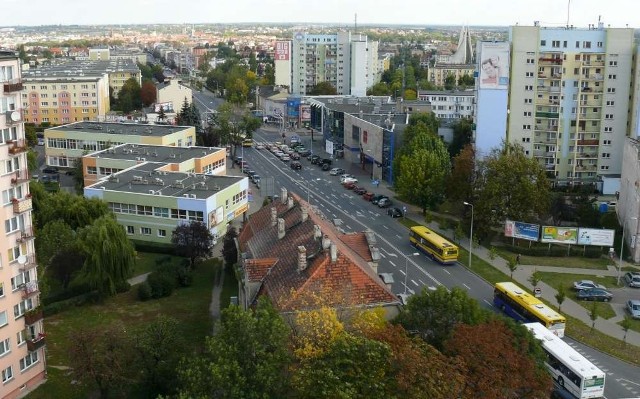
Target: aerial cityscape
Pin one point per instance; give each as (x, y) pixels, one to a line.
(330, 200)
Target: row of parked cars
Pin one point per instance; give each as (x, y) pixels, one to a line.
(350, 182)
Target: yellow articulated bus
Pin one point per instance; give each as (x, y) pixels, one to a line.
(433, 245)
(247, 143)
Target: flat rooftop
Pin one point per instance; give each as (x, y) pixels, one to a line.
(146, 177)
(75, 68)
(155, 153)
(139, 129)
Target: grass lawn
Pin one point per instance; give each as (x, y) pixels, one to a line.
(189, 305)
(146, 262)
(229, 288)
(569, 261)
(635, 324)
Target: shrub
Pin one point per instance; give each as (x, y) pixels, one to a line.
(162, 284)
(184, 276)
(144, 291)
(57, 307)
(123, 286)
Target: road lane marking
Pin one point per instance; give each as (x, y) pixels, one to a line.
(469, 288)
(385, 226)
(446, 271)
(403, 273)
(394, 265)
(414, 283)
(487, 302)
(422, 282)
(399, 236)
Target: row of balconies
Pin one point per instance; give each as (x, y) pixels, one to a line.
(590, 142)
(550, 60)
(552, 115)
(546, 128)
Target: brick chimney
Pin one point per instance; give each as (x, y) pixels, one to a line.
(280, 228)
(305, 214)
(317, 233)
(274, 216)
(283, 195)
(302, 258)
(375, 256)
(334, 253)
(290, 203)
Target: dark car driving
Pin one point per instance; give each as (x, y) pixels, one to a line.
(394, 212)
(295, 165)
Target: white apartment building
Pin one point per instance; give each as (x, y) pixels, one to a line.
(22, 340)
(569, 98)
(348, 61)
(450, 105)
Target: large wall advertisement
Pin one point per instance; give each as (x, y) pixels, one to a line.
(526, 231)
(282, 51)
(494, 65)
(600, 237)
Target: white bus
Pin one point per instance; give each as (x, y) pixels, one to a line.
(569, 368)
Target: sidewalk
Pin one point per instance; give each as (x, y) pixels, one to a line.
(522, 274)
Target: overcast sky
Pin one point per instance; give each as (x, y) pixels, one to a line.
(617, 13)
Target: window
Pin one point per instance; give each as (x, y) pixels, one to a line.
(4, 347)
(613, 63)
(608, 116)
(8, 195)
(92, 170)
(610, 103)
(526, 140)
(160, 212)
(555, 43)
(543, 42)
(606, 142)
(608, 129)
(29, 360)
(3, 318)
(20, 308)
(586, 44)
(528, 87)
(528, 74)
(145, 231)
(606, 155)
(611, 90)
(526, 127)
(11, 225)
(1, 290)
(613, 76)
(7, 374)
(527, 113)
(145, 210)
(130, 230)
(604, 167)
(162, 233)
(577, 44)
(599, 44)
(528, 100)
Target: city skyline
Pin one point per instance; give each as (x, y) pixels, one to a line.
(614, 13)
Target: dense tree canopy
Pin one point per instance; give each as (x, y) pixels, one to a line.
(192, 240)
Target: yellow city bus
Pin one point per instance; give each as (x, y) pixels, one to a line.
(432, 244)
(524, 307)
(247, 143)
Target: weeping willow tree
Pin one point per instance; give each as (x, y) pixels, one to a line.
(110, 256)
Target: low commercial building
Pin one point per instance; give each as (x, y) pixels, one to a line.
(104, 163)
(65, 144)
(150, 200)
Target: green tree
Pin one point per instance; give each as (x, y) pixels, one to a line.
(422, 171)
(30, 134)
(513, 266)
(462, 133)
(253, 63)
(450, 82)
(509, 185)
(434, 314)
(352, 367)
(129, 96)
(593, 314)
(535, 278)
(101, 356)
(379, 89)
(158, 352)
(161, 114)
(77, 211)
(109, 255)
(64, 265)
(229, 248)
(626, 324)
(462, 178)
(192, 240)
(466, 81)
(410, 94)
(560, 296)
(246, 358)
(323, 88)
(52, 238)
(189, 115)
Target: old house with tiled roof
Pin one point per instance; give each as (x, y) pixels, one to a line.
(297, 259)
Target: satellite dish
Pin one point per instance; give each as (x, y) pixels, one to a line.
(15, 116)
(22, 259)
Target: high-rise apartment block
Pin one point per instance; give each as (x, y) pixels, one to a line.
(22, 339)
(349, 62)
(569, 97)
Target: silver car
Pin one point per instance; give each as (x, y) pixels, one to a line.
(633, 306)
(633, 279)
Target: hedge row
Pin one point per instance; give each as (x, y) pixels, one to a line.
(554, 250)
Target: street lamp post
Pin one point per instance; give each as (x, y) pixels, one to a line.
(470, 234)
(624, 225)
(406, 267)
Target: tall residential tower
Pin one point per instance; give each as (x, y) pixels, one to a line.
(22, 339)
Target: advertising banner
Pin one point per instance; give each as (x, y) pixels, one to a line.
(526, 231)
(494, 65)
(305, 113)
(602, 237)
(561, 235)
(166, 107)
(282, 52)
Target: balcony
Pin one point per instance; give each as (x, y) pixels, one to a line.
(589, 142)
(29, 264)
(22, 205)
(33, 316)
(25, 235)
(29, 289)
(20, 176)
(552, 60)
(17, 146)
(13, 85)
(554, 115)
(35, 343)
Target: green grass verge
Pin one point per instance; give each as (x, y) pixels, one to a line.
(566, 280)
(190, 306)
(569, 261)
(635, 324)
(146, 262)
(229, 287)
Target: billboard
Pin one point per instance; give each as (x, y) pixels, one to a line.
(601, 237)
(305, 113)
(166, 107)
(561, 235)
(494, 65)
(526, 231)
(283, 51)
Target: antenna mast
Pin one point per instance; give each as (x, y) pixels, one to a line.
(568, 11)
(355, 23)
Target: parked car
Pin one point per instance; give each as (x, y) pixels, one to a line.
(336, 171)
(595, 294)
(51, 170)
(285, 158)
(255, 178)
(295, 156)
(376, 198)
(313, 158)
(359, 190)
(249, 172)
(244, 165)
(349, 180)
(633, 306)
(325, 166)
(586, 284)
(345, 176)
(323, 161)
(304, 153)
(260, 147)
(633, 279)
(349, 185)
(237, 160)
(384, 203)
(394, 212)
(368, 196)
(295, 165)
